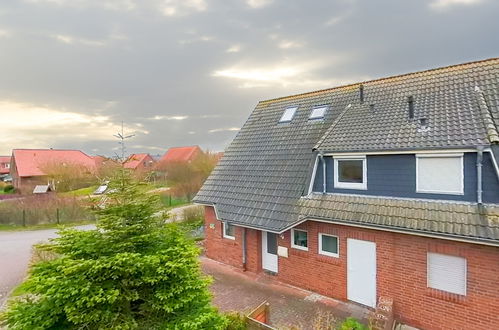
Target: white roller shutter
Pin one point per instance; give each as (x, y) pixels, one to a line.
(447, 273)
(441, 174)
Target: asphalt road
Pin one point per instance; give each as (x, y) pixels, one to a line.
(15, 253)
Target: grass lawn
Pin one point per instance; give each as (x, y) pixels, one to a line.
(168, 201)
(4, 227)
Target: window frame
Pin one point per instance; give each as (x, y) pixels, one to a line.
(446, 155)
(292, 116)
(465, 273)
(327, 253)
(224, 234)
(350, 185)
(293, 245)
(325, 107)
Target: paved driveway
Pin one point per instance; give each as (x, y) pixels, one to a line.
(15, 253)
(290, 307)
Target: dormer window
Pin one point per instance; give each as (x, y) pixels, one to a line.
(288, 114)
(318, 113)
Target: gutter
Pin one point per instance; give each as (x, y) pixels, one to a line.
(479, 161)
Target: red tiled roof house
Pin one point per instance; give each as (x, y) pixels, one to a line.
(4, 165)
(139, 162)
(180, 154)
(29, 167)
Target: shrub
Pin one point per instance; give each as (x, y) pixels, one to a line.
(132, 272)
(352, 324)
(236, 321)
(8, 188)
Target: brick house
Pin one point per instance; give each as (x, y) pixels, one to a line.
(180, 154)
(139, 162)
(4, 167)
(29, 167)
(386, 188)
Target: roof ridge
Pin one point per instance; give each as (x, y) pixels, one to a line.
(380, 79)
(335, 122)
(490, 126)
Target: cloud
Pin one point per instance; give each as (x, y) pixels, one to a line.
(230, 129)
(70, 40)
(258, 3)
(116, 5)
(168, 117)
(444, 4)
(32, 126)
(182, 7)
(4, 33)
(287, 44)
(234, 49)
(285, 74)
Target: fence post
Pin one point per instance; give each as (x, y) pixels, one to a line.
(170, 200)
(24, 218)
(57, 214)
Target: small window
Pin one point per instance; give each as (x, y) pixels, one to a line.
(328, 245)
(350, 173)
(440, 174)
(299, 239)
(7, 165)
(446, 273)
(228, 230)
(288, 114)
(318, 112)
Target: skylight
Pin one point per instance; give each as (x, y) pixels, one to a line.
(318, 112)
(288, 114)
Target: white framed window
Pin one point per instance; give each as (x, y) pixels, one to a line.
(7, 165)
(440, 173)
(318, 112)
(329, 245)
(299, 239)
(350, 172)
(228, 230)
(288, 114)
(446, 273)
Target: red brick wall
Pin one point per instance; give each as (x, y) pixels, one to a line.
(231, 251)
(401, 272)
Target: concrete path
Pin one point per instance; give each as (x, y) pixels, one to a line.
(15, 254)
(290, 307)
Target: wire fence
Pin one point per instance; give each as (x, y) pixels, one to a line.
(36, 210)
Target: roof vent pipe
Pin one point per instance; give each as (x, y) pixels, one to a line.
(410, 100)
(361, 93)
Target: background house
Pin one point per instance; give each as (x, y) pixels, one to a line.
(180, 154)
(31, 167)
(139, 162)
(4, 167)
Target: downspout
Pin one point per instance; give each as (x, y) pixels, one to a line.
(244, 249)
(479, 161)
(321, 155)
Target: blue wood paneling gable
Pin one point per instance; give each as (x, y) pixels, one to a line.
(395, 176)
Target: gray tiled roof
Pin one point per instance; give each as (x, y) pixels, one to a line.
(266, 169)
(457, 113)
(427, 217)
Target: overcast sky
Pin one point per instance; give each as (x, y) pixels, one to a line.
(185, 72)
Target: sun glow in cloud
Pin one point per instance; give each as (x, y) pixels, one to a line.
(444, 4)
(182, 7)
(281, 75)
(230, 129)
(33, 126)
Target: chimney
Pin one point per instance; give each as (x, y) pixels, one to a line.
(410, 100)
